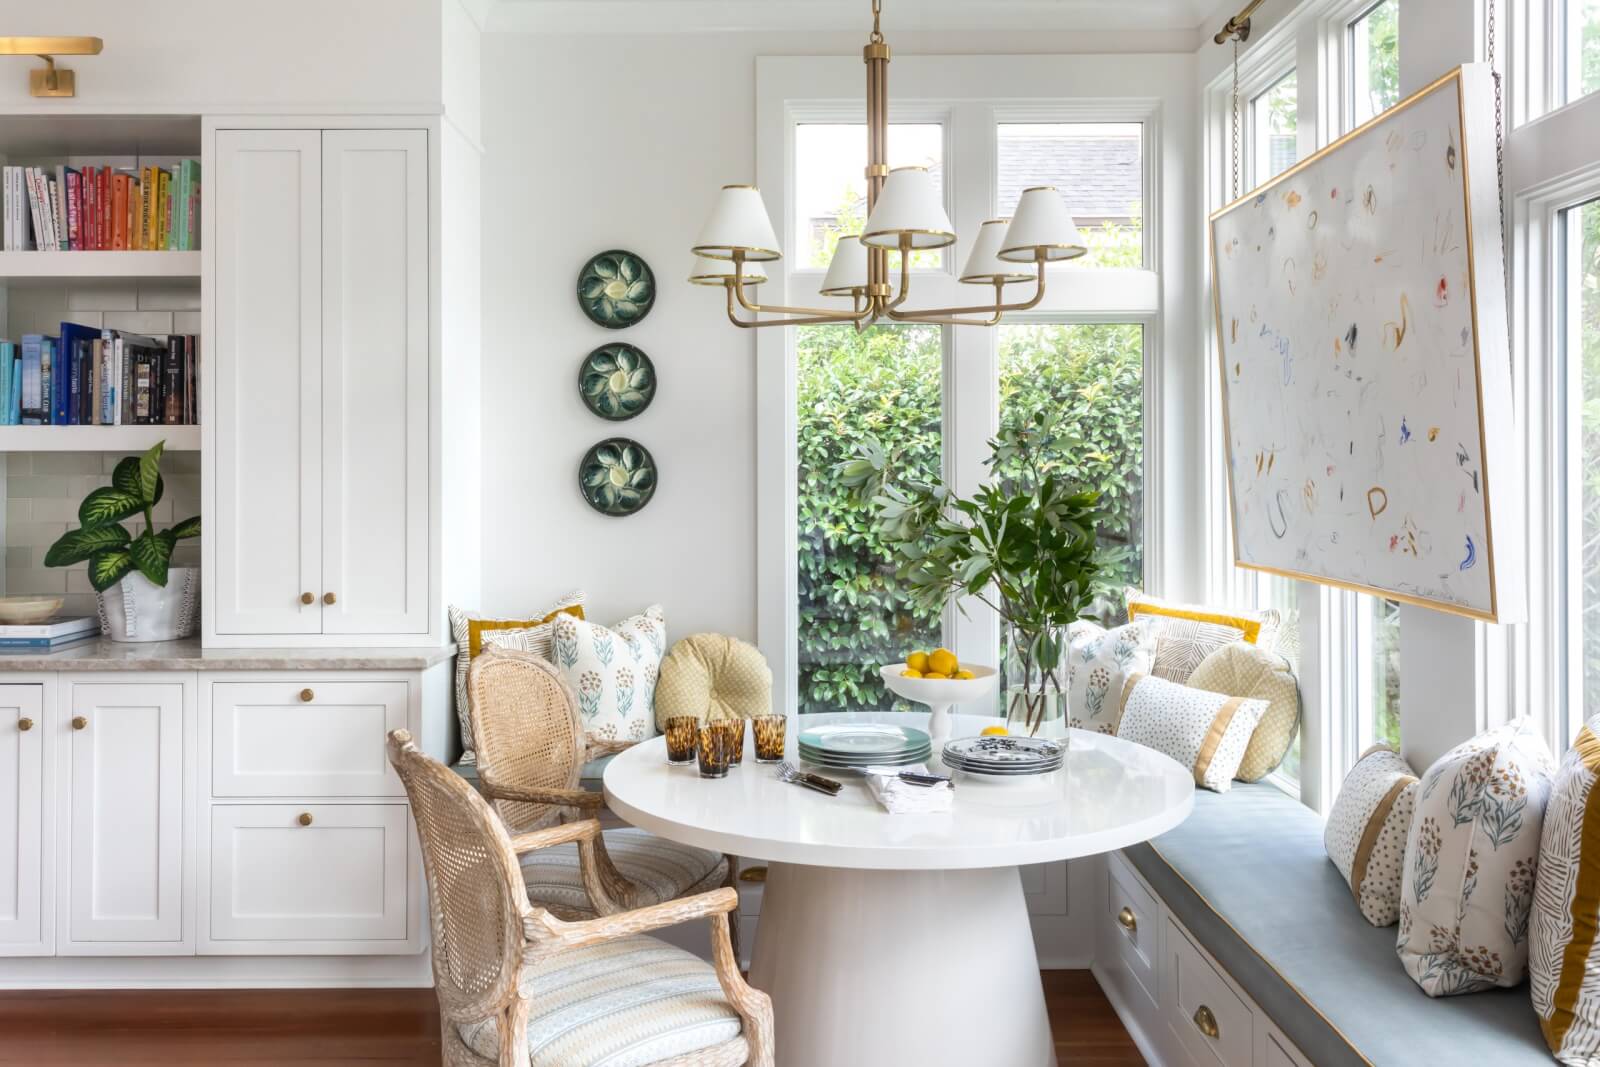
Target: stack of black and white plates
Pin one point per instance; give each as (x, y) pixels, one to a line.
(854, 746)
(1004, 756)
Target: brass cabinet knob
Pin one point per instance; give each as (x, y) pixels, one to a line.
(24, 724)
(308, 598)
(329, 598)
(1206, 1022)
(79, 722)
(1128, 920)
(307, 695)
(753, 874)
(305, 818)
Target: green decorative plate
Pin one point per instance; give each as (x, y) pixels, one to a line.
(616, 289)
(617, 476)
(617, 381)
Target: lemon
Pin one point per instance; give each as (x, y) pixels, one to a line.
(995, 731)
(964, 674)
(944, 661)
(936, 674)
(917, 661)
(910, 673)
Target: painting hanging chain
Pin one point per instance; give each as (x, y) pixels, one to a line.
(1499, 117)
(1235, 194)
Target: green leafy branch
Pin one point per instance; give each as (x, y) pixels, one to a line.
(111, 550)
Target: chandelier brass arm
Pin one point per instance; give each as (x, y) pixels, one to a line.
(830, 317)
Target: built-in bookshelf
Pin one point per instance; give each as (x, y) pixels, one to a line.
(48, 268)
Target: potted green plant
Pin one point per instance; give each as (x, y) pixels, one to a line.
(142, 596)
(1024, 544)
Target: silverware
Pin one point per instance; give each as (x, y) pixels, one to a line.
(788, 772)
(929, 780)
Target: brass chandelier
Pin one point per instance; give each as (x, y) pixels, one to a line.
(904, 214)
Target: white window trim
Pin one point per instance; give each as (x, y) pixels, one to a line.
(1003, 88)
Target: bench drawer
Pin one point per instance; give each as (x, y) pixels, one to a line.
(1211, 1022)
(309, 872)
(308, 737)
(1131, 924)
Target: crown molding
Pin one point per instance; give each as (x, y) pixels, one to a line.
(734, 16)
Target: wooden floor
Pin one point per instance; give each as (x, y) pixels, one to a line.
(373, 1027)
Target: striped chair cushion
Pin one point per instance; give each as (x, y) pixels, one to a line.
(621, 1003)
(662, 869)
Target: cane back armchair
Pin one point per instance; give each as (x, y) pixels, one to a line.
(519, 987)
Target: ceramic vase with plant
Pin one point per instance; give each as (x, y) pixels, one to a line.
(1024, 544)
(142, 596)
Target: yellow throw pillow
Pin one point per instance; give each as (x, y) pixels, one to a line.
(713, 676)
(1259, 626)
(1242, 670)
(468, 628)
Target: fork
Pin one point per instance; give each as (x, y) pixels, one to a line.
(788, 772)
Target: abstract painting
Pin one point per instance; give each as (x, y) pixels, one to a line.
(1366, 386)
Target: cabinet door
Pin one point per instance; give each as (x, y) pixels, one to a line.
(125, 818)
(267, 362)
(305, 737)
(22, 873)
(375, 505)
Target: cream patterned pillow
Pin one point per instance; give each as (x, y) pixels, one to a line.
(471, 631)
(1243, 670)
(1206, 732)
(613, 671)
(713, 676)
(1471, 856)
(1564, 929)
(1099, 662)
(1366, 832)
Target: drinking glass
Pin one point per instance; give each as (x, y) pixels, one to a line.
(769, 731)
(713, 751)
(682, 732)
(735, 731)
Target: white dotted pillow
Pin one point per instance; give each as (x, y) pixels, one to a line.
(1206, 732)
(1366, 832)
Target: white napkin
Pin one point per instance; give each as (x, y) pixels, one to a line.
(904, 798)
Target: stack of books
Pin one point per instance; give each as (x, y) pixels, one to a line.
(72, 209)
(88, 376)
(58, 633)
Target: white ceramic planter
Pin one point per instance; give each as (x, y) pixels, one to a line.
(136, 610)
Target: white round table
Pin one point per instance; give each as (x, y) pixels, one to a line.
(890, 939)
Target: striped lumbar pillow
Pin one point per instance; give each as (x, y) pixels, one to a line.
(1563, 949)
(1366, 832)
(530, 634)
(1206, 732)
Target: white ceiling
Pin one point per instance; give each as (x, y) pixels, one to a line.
(654, 16)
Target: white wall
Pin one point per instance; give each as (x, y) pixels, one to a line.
(595, 142)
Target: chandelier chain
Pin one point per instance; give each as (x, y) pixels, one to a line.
(877, 12)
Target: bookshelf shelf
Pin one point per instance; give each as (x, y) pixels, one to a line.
(97, 438)
(24, 268)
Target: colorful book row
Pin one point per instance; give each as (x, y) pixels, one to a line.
(103, 208)
(93, 377)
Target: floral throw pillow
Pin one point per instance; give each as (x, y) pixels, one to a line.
(613, 671)
(1099, 663)
(1470, 862)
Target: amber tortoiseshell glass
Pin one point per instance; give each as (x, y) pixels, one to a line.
(735, 732)
(682, 733)
(769, 731)
(714, 751)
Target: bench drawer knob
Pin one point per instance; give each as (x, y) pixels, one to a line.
(1127, 920)
(305, 818)
(1206, 1022)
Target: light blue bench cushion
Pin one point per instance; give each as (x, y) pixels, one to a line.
(589, 777)
(1248, 876)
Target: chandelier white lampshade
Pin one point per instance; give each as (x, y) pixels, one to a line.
(709, 271)
(738, 222)
(909, 206)
(984, 265)
(1041, 226)
(847, 271)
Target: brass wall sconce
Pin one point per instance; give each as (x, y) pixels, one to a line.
(51, 80)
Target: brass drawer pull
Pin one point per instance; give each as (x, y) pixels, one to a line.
(305, 820)
(307, 695)
(79, 722)
(329, 598)
(1127, 920)
(1206, 1022)
(308, 598)
(753, 874)
(24, 724)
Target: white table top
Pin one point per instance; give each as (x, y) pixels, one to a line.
(1110, 794)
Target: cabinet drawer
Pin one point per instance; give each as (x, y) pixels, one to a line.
(1131, 924)
(304, 738)
(1199, 999)
(308, 872)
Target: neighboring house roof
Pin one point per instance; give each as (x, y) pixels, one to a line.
(1098, 176)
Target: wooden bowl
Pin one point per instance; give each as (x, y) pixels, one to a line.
(28, 610)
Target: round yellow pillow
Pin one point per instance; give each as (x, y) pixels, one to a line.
(713, 676)
(1244, 670)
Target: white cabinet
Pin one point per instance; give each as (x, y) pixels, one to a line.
(124, 829)
(24, 874)
(311, 737)
(321, 419)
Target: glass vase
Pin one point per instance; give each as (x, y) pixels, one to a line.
(1035, 705)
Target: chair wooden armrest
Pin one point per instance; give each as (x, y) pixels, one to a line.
(547, 933)
(596, 748)
(576, 798)
(580, 831)
(608, 890)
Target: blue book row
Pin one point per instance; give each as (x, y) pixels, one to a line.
(88, 376)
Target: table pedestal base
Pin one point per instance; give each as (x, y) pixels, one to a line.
(901, 967)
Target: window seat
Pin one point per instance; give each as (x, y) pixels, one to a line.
(1248, 876)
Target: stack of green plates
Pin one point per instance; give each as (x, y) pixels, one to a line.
(853, 746)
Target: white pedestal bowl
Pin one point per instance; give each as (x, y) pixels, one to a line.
(940, 694)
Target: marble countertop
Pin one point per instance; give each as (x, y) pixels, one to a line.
(103, 655)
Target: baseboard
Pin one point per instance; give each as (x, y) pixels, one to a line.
(218, 972)
(1148, 1048)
